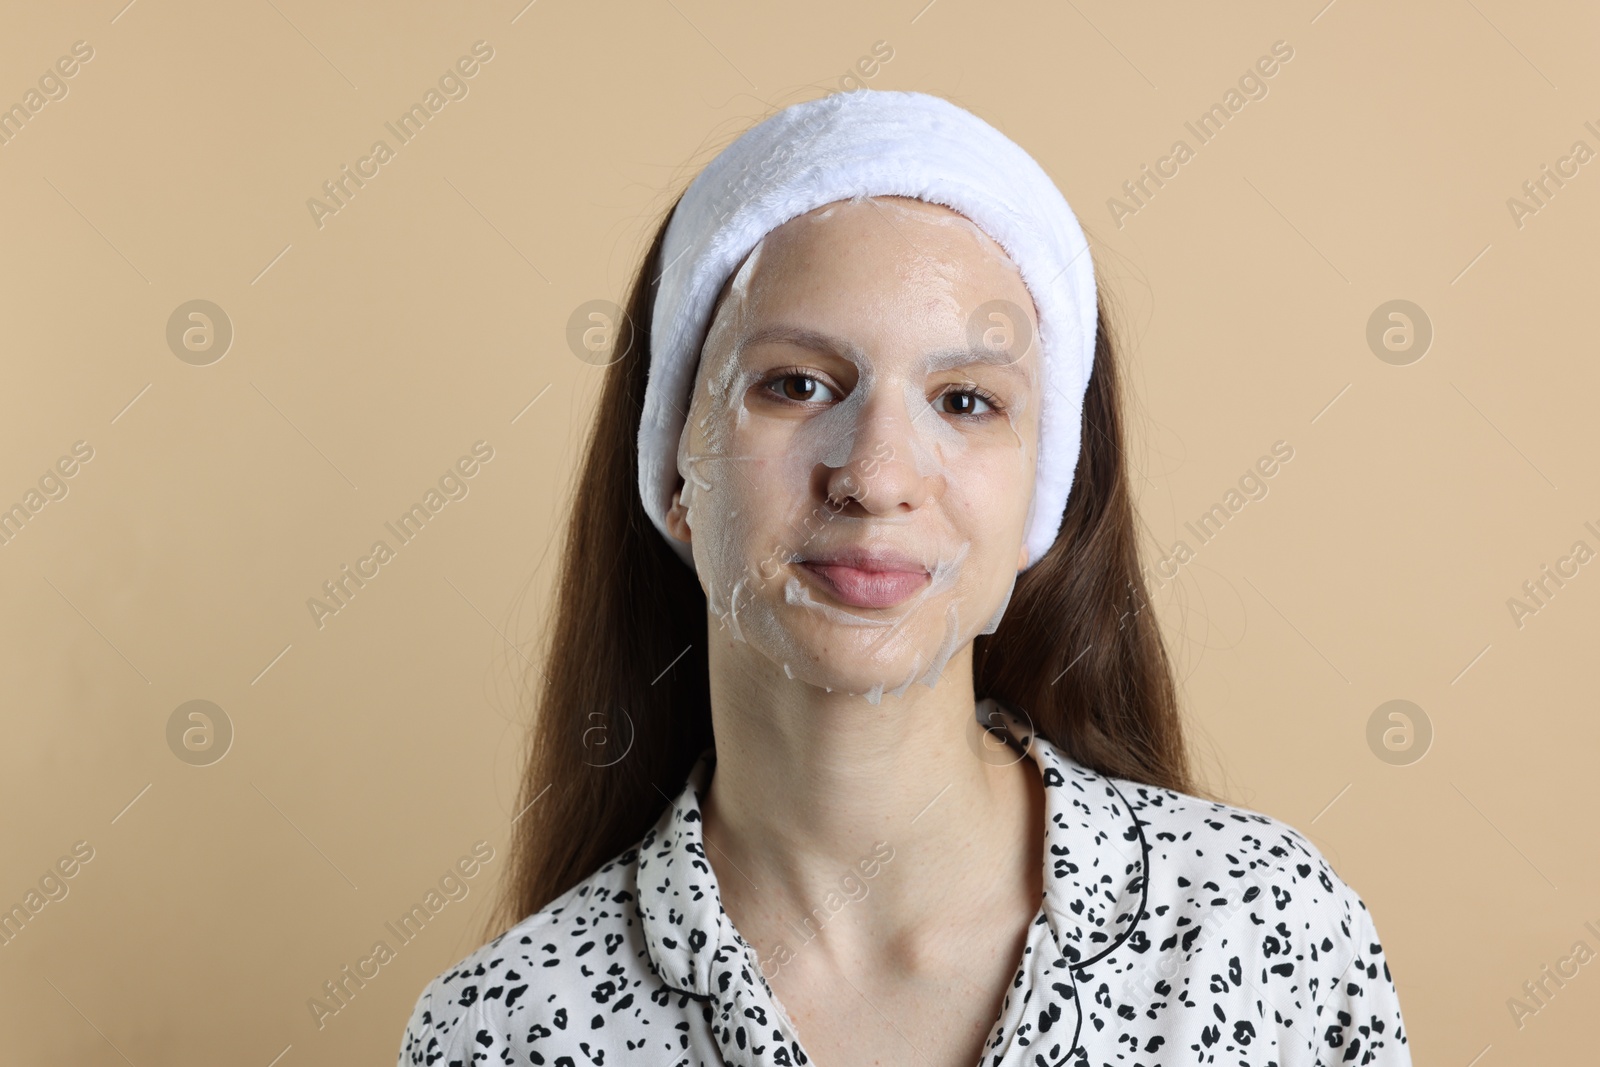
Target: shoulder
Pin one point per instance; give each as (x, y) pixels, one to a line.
(573, 963)
(1245, 916)
(1187, 855)
(1198, 841)
(1208, 861)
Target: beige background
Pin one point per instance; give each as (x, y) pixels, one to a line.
(431, 311)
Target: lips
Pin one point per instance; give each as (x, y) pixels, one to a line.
(868, 579)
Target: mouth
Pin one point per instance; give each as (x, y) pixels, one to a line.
(868, 580)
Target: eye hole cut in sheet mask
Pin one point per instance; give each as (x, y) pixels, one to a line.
(884, 307)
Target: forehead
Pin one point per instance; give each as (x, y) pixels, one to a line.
(877, 254)
(898, 227)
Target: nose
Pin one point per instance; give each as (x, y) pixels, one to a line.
(880, 475)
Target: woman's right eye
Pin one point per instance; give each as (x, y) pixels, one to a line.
(799, 387)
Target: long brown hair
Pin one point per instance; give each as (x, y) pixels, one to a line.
(625, 664)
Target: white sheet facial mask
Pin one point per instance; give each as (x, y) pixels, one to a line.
(838, 406)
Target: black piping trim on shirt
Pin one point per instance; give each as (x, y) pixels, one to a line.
(1144, 888)
(1144, 899)
(1138, 825)
(1077, 1000)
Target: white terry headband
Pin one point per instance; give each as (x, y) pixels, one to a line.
(872, 142)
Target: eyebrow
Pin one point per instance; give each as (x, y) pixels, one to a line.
(941, 359)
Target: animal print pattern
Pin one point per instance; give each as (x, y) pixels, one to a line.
(1172, 930)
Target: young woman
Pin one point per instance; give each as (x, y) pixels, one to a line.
(854, 744)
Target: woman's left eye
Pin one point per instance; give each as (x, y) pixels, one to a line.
(969, 398)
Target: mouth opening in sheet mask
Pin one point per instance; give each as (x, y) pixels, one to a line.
(860, 451)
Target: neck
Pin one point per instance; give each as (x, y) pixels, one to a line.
(811, 786)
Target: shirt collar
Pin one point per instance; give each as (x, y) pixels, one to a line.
(1093, 861)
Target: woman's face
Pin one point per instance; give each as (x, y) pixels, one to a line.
(859, 455)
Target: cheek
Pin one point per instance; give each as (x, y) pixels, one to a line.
(767, 461)
(990, 487)
(752, 482)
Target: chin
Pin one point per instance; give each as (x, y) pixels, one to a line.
(846, 651)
